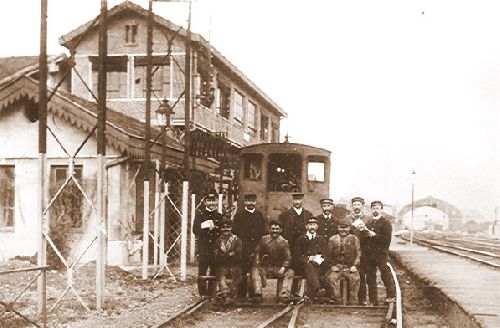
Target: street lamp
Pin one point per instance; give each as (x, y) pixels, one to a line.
(413, 174)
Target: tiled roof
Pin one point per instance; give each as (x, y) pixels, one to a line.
(10, 65)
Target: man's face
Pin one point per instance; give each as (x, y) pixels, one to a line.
(327, 208)
(275, 230)
(297, 202)
(225, 231)
(357, 206)
(376, 210)
(250, 203)
(344, 230)
(211, 203)
(312, 227)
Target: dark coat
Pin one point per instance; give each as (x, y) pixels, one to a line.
(228, 251)
(327, 227)
(344, 251)
(206, 237)
(273, 252)
(378, 245)
(293, 225)
(305, 248)
(249, 227)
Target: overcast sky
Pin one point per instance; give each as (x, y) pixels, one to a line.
(387, 86)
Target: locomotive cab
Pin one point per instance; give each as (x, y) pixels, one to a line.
(273, 171)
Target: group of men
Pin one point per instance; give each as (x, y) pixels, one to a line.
(323, 249)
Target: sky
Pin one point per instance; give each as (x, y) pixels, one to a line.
(388, 86)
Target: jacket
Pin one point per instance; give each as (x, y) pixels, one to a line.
(273, 252)
(344, 250)
(293, 224)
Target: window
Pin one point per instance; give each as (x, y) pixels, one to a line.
(253, 166)
(316, 171)
(264, 128)
(238, 106)
(251, 111)
(131, 34)
(222, 98)
(275, 133)
(116, 67)
(7, 196)
(68, 206)
(160, 79)
(284, 172)
(204, 90)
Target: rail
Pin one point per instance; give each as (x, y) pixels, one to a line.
(399, 306)
(9, 306)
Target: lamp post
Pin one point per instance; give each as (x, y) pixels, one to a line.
(413, 174)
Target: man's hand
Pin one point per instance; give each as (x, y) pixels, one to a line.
(281, 271)
(311, 258)
(371, 233)
(335, 268)
(353, 269)
(231, 253)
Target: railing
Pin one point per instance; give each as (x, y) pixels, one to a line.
(9, 306)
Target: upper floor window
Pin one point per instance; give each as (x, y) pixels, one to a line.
(222, 100)
(238, 106)
(251, 113)
(68, 206)
(275, 133)
(160, 78)
(264, 128)
(204, 90)
(7, 196)
(131, 34)
(116, 84)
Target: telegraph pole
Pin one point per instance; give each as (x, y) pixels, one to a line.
(42, 157)
(101, 153)
(147, 139)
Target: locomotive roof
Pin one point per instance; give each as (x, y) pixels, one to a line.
(283, 147)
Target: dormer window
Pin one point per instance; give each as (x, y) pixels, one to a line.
(131, 34)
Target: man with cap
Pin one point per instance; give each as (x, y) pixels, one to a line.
(206, 228)
(375, 240)
(249, 226)
(272, 259)
(344, 254)
(228, 259)
(328, 224)
(359, 218)
(310, 257)
(293, 220)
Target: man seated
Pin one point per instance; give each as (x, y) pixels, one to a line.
(272, 259)
(343, 254)
(228, 259)
(309, 256)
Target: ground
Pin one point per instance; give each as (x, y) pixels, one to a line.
(129, 299)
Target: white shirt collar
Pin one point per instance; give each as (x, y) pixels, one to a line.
(310, 235)
(327, 216)
(298, 211)
(209, 210)
(251, 211)
(377, 217)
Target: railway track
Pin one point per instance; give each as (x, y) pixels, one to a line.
(295, 314)
(462, 249)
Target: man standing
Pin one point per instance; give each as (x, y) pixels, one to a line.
(376, 238)
(272, 259)
(359, 218)
(206, 228)
(293, 220)
(228, 258)
(343, 254)
(309, 254)
(328, 224)
(249, 226)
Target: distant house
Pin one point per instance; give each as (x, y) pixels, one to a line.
(225, 101)
(430, 213)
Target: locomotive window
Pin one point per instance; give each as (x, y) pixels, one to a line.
(316, 172)
(284, 172)
(253, 166)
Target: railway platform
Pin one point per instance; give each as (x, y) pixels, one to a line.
(469, 291)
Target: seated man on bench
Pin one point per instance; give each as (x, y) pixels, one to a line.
(228, 258)
(343, 253)
(272, 259)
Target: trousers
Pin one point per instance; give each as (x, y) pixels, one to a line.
(259, 275)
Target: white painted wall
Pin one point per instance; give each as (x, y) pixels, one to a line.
(424, 217)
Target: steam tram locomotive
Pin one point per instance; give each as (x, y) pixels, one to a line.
(273, 171)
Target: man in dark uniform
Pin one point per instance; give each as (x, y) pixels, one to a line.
(357, 217)
(249, 226)
(328, 224)
(228, 258)
(272, 259)
(206, 228)
(310, 252)
(376, 238)
(293, 220)
(343, 255)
